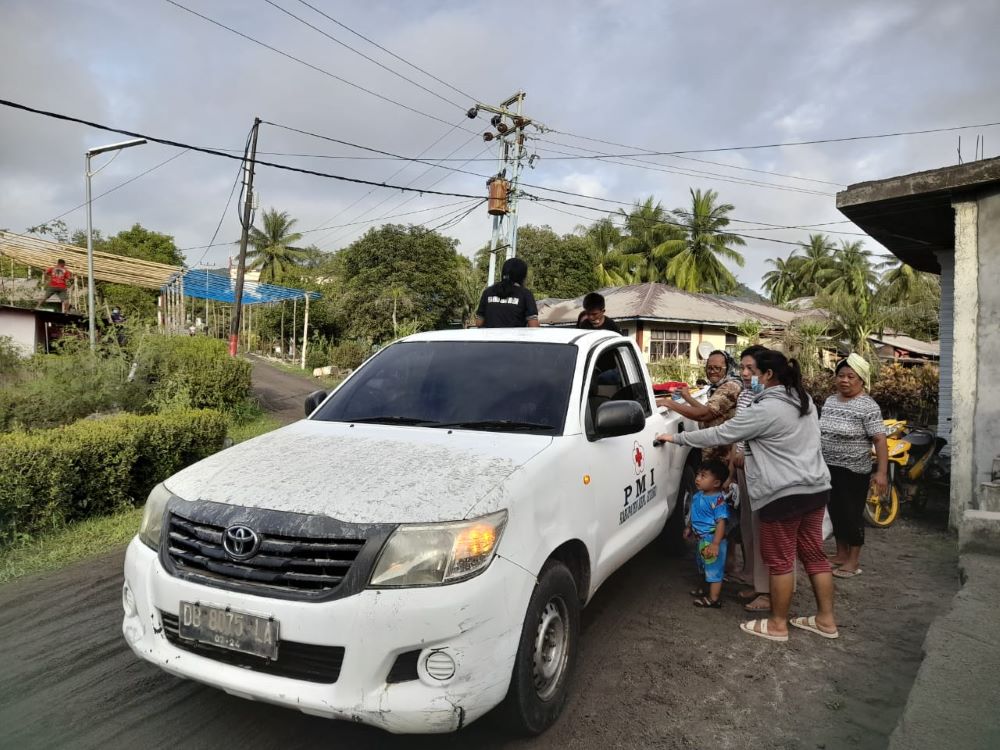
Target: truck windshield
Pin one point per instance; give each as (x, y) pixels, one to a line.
(474, 385)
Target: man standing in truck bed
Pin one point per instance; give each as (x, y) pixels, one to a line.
(507, 304)
(56, 281)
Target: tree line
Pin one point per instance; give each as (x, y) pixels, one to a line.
(397, 279)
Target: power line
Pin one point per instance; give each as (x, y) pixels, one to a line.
(218, 226)
(663, 222)
(388, 52)
(117, 187)
(773, 145)
(214, 152)
(404, 201)
(714, 175)
(299, 60)
(387, 154)
(368, 221)
(362, 54)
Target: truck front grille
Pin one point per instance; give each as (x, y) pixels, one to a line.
(299, 556)
(299, 661)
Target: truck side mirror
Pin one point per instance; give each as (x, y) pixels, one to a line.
(313, 400)
(616, 418)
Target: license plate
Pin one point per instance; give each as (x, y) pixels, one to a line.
(236, 631)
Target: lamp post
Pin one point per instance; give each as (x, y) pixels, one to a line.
(90, 234)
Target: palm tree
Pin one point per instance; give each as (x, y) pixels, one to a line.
(782, 284)
(854, 275)
(273, 252)
(855, 319)
(902, 283)
(610, 265)
(646, 247)
(695, 264)
(815, 268)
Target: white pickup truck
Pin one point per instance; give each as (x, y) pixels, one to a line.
(418, 550)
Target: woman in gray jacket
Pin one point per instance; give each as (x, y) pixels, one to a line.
(789, 485)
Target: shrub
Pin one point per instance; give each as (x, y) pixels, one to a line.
(348, 355)
(95, 466)
(675, 368)
(901, 392)
(196, 365)
(56, 389)
(908, 392)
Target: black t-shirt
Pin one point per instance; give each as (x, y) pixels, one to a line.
(607, 325)
(510, 311)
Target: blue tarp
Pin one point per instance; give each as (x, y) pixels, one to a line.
(202, 283)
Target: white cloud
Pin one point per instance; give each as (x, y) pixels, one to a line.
(659, 75)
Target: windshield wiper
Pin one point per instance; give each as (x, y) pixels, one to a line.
(497, 425)
(389, 419)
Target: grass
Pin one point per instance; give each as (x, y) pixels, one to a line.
(253, 427)
(75, 542)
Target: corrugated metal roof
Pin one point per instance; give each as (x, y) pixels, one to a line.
(663, 302)
(914, 346)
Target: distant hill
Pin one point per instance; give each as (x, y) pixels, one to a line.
(745, 292)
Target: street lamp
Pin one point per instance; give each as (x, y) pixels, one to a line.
(90, 232)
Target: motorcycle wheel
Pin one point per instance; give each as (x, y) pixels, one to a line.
(882, 509)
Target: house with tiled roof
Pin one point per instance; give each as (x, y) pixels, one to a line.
(667, 322)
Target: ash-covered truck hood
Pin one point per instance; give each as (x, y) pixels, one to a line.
(360, 473)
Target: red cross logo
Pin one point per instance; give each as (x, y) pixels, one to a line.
(638, 458)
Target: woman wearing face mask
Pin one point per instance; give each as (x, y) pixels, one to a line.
(789, 486)
(757, 598)
(851, 424)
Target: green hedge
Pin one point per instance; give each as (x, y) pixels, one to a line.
(198, 365)
(95, 466)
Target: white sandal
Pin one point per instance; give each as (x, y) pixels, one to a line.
(749, 627)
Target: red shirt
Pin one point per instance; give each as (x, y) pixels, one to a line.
(58, 277)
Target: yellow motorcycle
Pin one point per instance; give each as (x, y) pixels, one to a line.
(914, 461)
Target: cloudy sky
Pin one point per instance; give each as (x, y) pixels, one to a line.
(659, 75)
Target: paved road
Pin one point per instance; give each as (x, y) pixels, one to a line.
(281, 393)
(653, 671)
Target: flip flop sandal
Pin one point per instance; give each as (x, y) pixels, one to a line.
(707, 603)
(751, 608)
(809, 623)
(748, 595)
(751, 627)
(841, 573)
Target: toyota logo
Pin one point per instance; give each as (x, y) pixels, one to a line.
(240, 542)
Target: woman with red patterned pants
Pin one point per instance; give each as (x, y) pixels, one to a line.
(789, 485)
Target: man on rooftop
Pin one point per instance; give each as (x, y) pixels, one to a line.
(56, 281)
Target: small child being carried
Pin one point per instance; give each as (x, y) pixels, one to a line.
(709, 512)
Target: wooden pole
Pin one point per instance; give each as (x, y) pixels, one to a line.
(295, 303)
(281, 345)
(305, 332)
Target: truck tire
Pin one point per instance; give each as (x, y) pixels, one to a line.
(673, 531)
(546, 654)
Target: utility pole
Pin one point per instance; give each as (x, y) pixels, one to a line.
(509, 122)
(247, 221)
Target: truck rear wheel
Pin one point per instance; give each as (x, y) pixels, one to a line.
(546, 654)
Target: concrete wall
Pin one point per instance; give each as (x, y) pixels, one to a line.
(987, 420)
(713, 335)
(20, 327)
(965, 356)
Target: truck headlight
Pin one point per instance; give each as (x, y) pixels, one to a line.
(152, 516)
(436, 553)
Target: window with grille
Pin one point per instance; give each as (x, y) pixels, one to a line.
(665, 343)
(731, 345)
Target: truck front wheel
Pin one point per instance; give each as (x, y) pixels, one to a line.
(546, 654)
